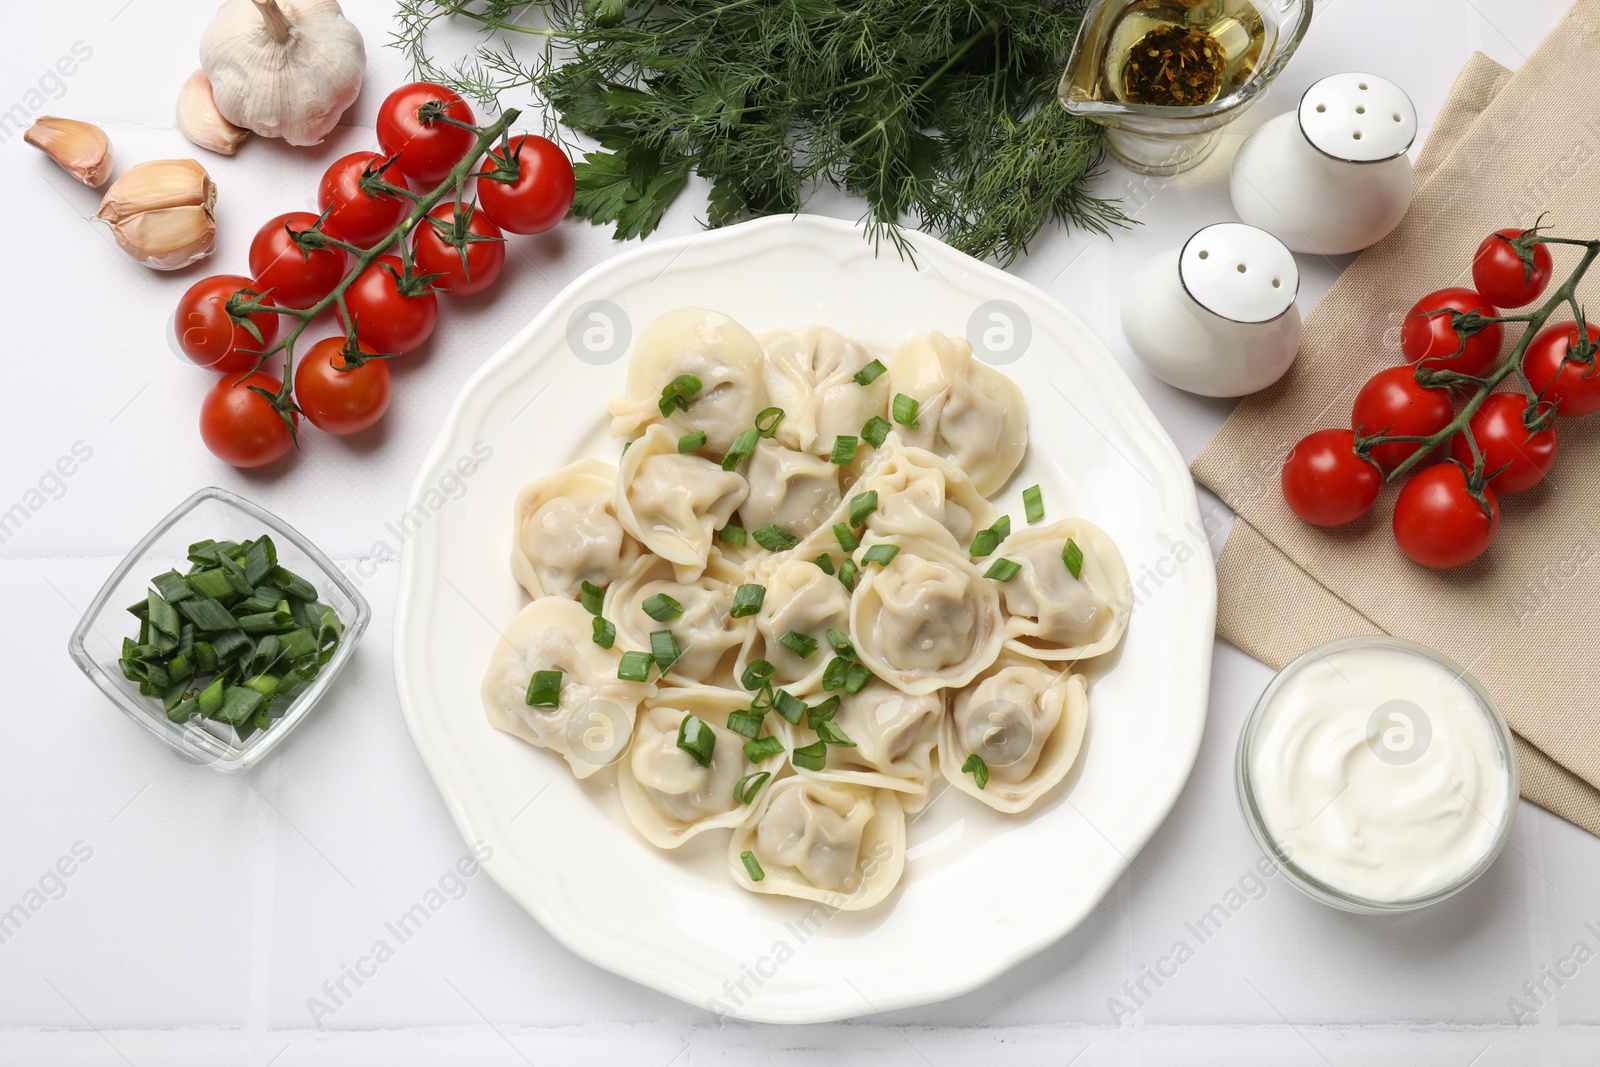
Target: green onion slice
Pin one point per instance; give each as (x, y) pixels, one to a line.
(833, 675)
(775, 538)
(664, 649)
(882, 555)
(635, 667)
(696, 738)
(661, 607)
(593, 598)
(1033, 503)
(870, 373)
(605, 634)
(822, 711)
(1003, 570)
(1072, 556)
(732, 535)
(792, 708)
(829, 732)
(848, 572)
(676, 393)
(739, 451)
(747, 723)
(746, 788)
(752, 866)
(544, 689)
(756, 674)
(862, 505)
(824, 563)
(978, 769)
(747, 600)
(813, 757)
(844, 450)
(846, 537)
(802, 645)
(904, 410)
(691, 442)
(856, 678)
(839, 641)
(762, 749)
(767, 421)
(875, 430)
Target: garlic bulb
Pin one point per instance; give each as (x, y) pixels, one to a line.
(200, 120)
(283, 68)
(82, 149)
(161, 214)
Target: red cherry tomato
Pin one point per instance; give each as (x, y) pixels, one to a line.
(1430, 337)
(1574, 388)
(337, 399)
(242, 427)
(296, 276)
(1394, 402)
(390, 317)
(1521, 458)
(541, 193)
(210, 336)
(427, 149)
(434, 254)
(363, 218)
(1326, 483)
(1438, 523)
(1502, 278)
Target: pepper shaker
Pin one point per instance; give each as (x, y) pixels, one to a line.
(1331, 176)
(1216, 317)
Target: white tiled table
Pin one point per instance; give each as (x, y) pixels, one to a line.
(209, 910)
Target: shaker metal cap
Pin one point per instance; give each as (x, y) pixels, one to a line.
(1239, 272)
(1359, 118)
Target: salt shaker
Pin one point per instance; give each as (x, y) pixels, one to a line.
(1216, 317)
(1331, 176)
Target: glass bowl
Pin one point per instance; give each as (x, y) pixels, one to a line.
(96, 643)
(1280, 855)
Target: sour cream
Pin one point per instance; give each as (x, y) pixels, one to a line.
(1379, 770)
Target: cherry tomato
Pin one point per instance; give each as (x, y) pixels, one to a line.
(296, 276)
(1431, 338)
(541, 193)
(1438, 523)
(390, 316)
(210, 336)
(427, 149)
(242, 427)
(1521, 458)
(1500, 275)
(434, 254)
(1326, 483)
(363, 218)
(1394, 402)
(336, 399)
(1574, 388)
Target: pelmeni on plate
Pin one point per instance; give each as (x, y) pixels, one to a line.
(803, 599)
(892, 737)
(967, 412)
(707, 635)
(674, 504)
(810, 373)
(594, 718)
(792, 490)
(841, 844)
(723, 356)
(565, 531)
(1054, 615)
(1025, 721)
(913, 484)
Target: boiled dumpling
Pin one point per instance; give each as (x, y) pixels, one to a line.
(810, 374)
(674, 504)
(566, 531)
(844, 845)
(913, 484)
(928, 620)
(967, 412)
(1025, 721)
(724, 356)
(894, 736)
(795, 491)
(804, 599)
(1054, 616)
(595, 716)
(665, 791)
(707, 636)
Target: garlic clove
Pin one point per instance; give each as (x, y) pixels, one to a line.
(81, 148)
(202, 122)
(161, 213)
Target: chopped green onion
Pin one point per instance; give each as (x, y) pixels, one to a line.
(664, 649)
(882, 555)
(739, 451)
(752, 866)
(762, 749)
(635, 667)
(844, 450)
(824, 563)
(292, 584)
(792, 708)
(605, 632)
(661, 607)
(162, 616)
(544, 690)
(822, 711)
(747, 600)
(767, 421)
(862, 505)
(830, 733)
(802, 645)
(904, 410)
(761, 699)
(732, 535)
(1033, 503)
(696, 738)
(593, 598)
(209, 702)
(1003, 570)
(756, 674)
(988, 540)
(813, 757)
(172, 586)
(978, 769)
(1002, 526)
(746, 788)
(775, 538)
(260, 556)
(870, 373)
(848, 572)
(211, 583)
(238, 704)
(675, 394)
(747, 723)
(691, 442)
(856, 678)
(1072, 556)
(846, 537)
(839, 641)
(207, 614)
(834, 674)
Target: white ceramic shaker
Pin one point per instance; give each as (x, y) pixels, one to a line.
(1216, 317)
(1331, 176)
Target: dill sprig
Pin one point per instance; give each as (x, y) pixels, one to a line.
(938, 112)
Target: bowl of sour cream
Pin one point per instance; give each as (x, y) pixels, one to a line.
(1378, 775)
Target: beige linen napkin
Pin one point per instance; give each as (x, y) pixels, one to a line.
(1525, 618)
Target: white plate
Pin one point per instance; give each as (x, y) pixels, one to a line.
(982, 891)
